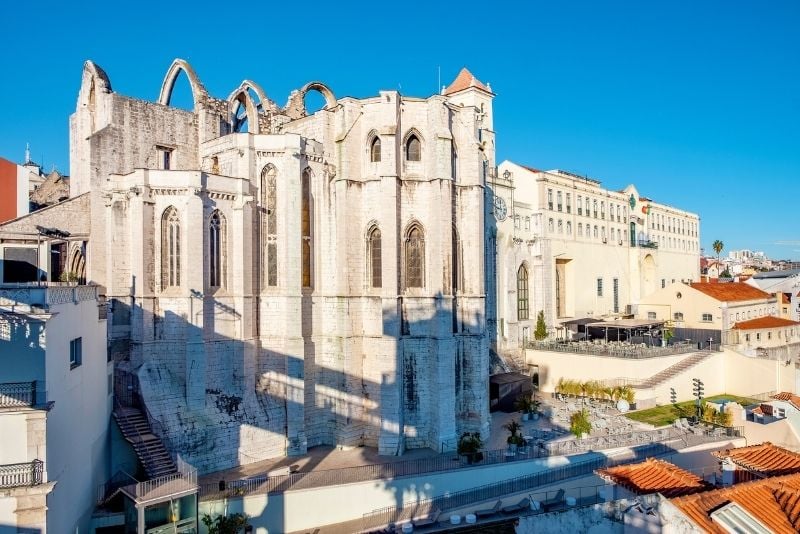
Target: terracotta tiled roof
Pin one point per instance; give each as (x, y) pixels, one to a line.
(731, 291)
(764, 322)
(775, 502)
(765, 458)
(791, 398)
(465, 80)
(655, 476)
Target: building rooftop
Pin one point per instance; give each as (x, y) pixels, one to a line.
(791, 398)
(465, 80)
(764, 322)
(765, 459)
(774, 502)
(730, 292)
(655, 476)
(777, 274)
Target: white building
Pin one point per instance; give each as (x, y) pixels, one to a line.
(55, 405)
(567, 246)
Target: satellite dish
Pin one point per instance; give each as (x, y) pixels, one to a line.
(623, 406)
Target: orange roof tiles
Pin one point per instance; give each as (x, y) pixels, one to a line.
(791, 398)
(655, 476)
(765, 458)
(764, 322)
(465, 80)
(775, 502)
(732, 291)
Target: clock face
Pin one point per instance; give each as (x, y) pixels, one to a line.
(500, 208)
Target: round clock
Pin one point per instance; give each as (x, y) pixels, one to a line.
(500, 210)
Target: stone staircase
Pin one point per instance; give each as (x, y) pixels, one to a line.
(507, 361)
(673, 370)
(149, 448)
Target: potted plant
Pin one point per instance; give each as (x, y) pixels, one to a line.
(535, 407)
(668, 334)
(579, 423)
(515, 439)
(629, 395)
(470, 445)
(523, 404)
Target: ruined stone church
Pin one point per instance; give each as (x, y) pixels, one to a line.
(280, 279)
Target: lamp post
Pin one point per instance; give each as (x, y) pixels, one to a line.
(699, 392)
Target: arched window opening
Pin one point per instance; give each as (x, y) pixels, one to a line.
(413, 148)
(375, 150)
(415, 258)
(170, 248)
(240, 117)
(216, 250)
(269, 224)
(374, 267)
(306, 229)
(522, 293)
(454, 163)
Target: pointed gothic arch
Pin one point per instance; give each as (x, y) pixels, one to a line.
(262, 102)
(170, 248)
(199, 92)
(217, 250)
(321, 88)
(412, 145)
(243, 99)
(414, 256)
(522, 293)
(374, 258)
(269, 224)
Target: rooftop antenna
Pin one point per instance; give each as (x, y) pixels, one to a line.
(27, 153)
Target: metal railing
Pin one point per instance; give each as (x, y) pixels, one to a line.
(450, 501)
(13, 394)
(20, 475)
(186, 474)
(44, 296)
(635, 352)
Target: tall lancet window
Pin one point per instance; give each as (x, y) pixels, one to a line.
(415, 257)
(374, 257)
(306, 229)
(216, 250)
(170, 248)
(522, 293)
(269, 224)
(375, 150)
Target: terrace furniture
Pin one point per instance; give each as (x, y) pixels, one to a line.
(428, 520)
(488, 512)
(516, 508)
(557, 500)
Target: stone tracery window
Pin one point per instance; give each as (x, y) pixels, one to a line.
(306, 229)
(375, 150)
(413, 148)
(170, 248)
(269, 224)
(415, 257)
(374, 257)
(216, 250)
(522, 293)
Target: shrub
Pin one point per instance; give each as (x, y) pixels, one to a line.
(469, 443)
(579, 423)
(222, 524)
(540, 332)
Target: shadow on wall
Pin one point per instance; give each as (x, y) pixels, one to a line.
(10, 529)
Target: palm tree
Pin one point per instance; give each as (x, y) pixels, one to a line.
(718, 246)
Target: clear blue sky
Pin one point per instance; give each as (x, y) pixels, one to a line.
(697, 103)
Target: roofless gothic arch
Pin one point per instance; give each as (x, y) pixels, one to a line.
(198, 91)
(242, 99)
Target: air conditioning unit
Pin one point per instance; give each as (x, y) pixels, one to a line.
(605, 240)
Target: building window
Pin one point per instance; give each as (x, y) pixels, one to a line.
(413, 149)
(758, 336)
(580, 229)
(75, 352)
(415, 258)
(616, 295)
(663, 283)
(569, 203)
(375, 150)
(602, 209)
(269, 223)
(594, 208)
(595, 232)
(527, 223)
(306, 229)
(170, 248)
(522, 293)
(560, 226)
(164, 157)
(599, 287)
(677, 316)
(550, 226)
(651, 315)
(747, 337)
(618, 217)
(569, 227)
(216, 250)
(558, 196)
(550, 199)
(580, 205)
(517, 219)
(707, 318)
(374, 257)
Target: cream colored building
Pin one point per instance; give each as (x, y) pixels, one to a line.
(566, 245)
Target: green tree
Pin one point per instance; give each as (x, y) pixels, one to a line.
(718, 246)
(541, 328)
(222, 524)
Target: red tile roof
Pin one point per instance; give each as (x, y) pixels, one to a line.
(465, 80)
(731, 291)
(655, 476)
(791, 398)
(764, 322)
(775, 502)
(765, 458)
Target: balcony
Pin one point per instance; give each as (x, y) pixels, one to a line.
(21, 475)
(646, 243)
(17, 394)
(28, 298)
